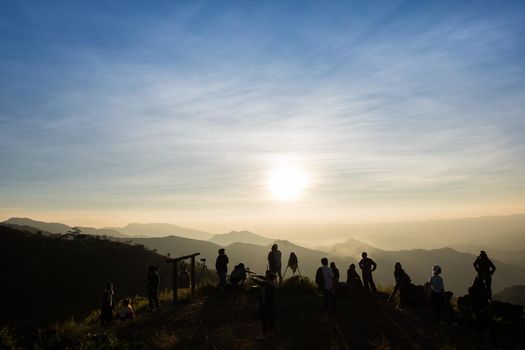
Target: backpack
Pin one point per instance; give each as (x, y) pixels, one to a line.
(319, 278)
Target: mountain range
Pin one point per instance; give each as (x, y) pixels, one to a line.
(161, 229)
(61, 228)
(252, 249)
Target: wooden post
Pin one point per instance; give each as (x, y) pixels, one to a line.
(175, 283)
(193, 277)
(176, 274)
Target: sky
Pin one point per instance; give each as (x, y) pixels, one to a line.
(184, 111)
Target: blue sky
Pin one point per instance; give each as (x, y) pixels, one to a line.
(178, 111)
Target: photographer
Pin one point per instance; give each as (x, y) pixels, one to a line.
(238, 275)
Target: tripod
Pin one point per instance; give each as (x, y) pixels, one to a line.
(204, 272)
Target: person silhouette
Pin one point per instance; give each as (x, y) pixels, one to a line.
(485, 269)
(238, 275)
(437, 291)
(107, 307)
(335, 271)
(324, 278)
(267, 302)
(274, 262)
(221, 266)
(352, 277)
(402, 285)
(152, 287)
(479, 300)
(368, 266)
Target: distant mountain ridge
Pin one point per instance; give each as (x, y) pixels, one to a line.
(61, 228)
(240, 237)
(513, 295)
(161, 229)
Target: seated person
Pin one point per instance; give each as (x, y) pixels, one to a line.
(238, 275)
(126, 311)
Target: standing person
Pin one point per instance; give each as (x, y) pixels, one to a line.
(152, 286)
(485, 269)
(274, 262)
(266, 302)
(437, 288)
(107, 307)
(335, 271)
(221, 266)
(352, 277)
(368, 266)
(479, 299)
(402, 285)
(324, 278)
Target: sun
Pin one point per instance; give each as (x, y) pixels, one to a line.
(287, 182)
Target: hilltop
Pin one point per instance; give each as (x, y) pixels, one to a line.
(229, 320)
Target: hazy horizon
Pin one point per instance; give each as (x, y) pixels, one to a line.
(225, 117)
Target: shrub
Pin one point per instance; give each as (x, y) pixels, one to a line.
(7, 338)
(298, 285)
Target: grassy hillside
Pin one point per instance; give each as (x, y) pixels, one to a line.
(229, 320)
(49, 278)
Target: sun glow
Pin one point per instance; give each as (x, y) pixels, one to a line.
(287, 182)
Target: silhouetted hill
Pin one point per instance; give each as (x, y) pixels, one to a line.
(240, 237)
(352, 248)
(44, 226)
(178, 246)
(47, 278)
(61, 228)
(161, 229)
(513, 295)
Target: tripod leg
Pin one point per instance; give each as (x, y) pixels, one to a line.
(298, 270)
(284, 274)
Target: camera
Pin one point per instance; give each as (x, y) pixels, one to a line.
(203, 260)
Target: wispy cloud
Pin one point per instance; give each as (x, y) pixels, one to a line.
(195, 108)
